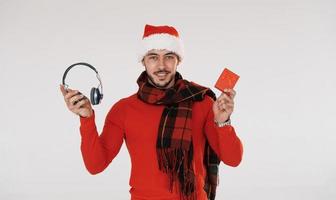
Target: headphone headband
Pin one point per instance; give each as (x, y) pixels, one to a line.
(71, 66)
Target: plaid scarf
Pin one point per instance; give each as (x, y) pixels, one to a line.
(174, 141)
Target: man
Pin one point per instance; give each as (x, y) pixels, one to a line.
(176, 131)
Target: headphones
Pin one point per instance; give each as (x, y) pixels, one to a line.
(95, 95)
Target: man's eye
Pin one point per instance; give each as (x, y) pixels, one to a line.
(170, 57)
(153, 57)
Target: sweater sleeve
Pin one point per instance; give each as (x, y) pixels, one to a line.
(223, 140)
(98, 151)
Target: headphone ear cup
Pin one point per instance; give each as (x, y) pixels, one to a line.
(99, 96)
(95, 96)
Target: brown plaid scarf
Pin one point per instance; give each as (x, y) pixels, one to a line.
(174, 142)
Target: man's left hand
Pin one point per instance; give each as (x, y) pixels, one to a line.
(223, 106)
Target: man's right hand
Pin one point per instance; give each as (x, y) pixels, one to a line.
(77, 102)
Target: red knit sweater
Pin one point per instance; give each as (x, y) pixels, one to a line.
(136, 122)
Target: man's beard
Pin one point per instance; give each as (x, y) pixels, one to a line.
(151, 80)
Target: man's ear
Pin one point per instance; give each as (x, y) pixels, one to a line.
(178, 60)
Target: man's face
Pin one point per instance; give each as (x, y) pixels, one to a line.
(161, 68)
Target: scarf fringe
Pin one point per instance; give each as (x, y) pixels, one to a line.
(211, 183)
(173, 163)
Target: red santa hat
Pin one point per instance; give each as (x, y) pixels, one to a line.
(160, 37)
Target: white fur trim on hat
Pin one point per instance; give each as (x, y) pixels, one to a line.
(161, 41)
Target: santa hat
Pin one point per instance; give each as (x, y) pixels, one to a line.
(160, 37)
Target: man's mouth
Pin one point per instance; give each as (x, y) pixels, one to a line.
(161, 74)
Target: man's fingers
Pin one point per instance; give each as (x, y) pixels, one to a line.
(225, 107)
(226, 104)
(71, 93)
(230, 105)
(234, 93)
(64, 92)
(230, 92)
(222, 107)
(73, 100)
(81, 102)
(224, 98)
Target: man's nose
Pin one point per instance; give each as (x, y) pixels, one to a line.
(161, 63)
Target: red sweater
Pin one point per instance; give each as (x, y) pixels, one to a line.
(136, 122)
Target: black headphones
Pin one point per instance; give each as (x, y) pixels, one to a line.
(95, 96)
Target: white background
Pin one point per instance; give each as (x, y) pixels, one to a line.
(284, 51)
